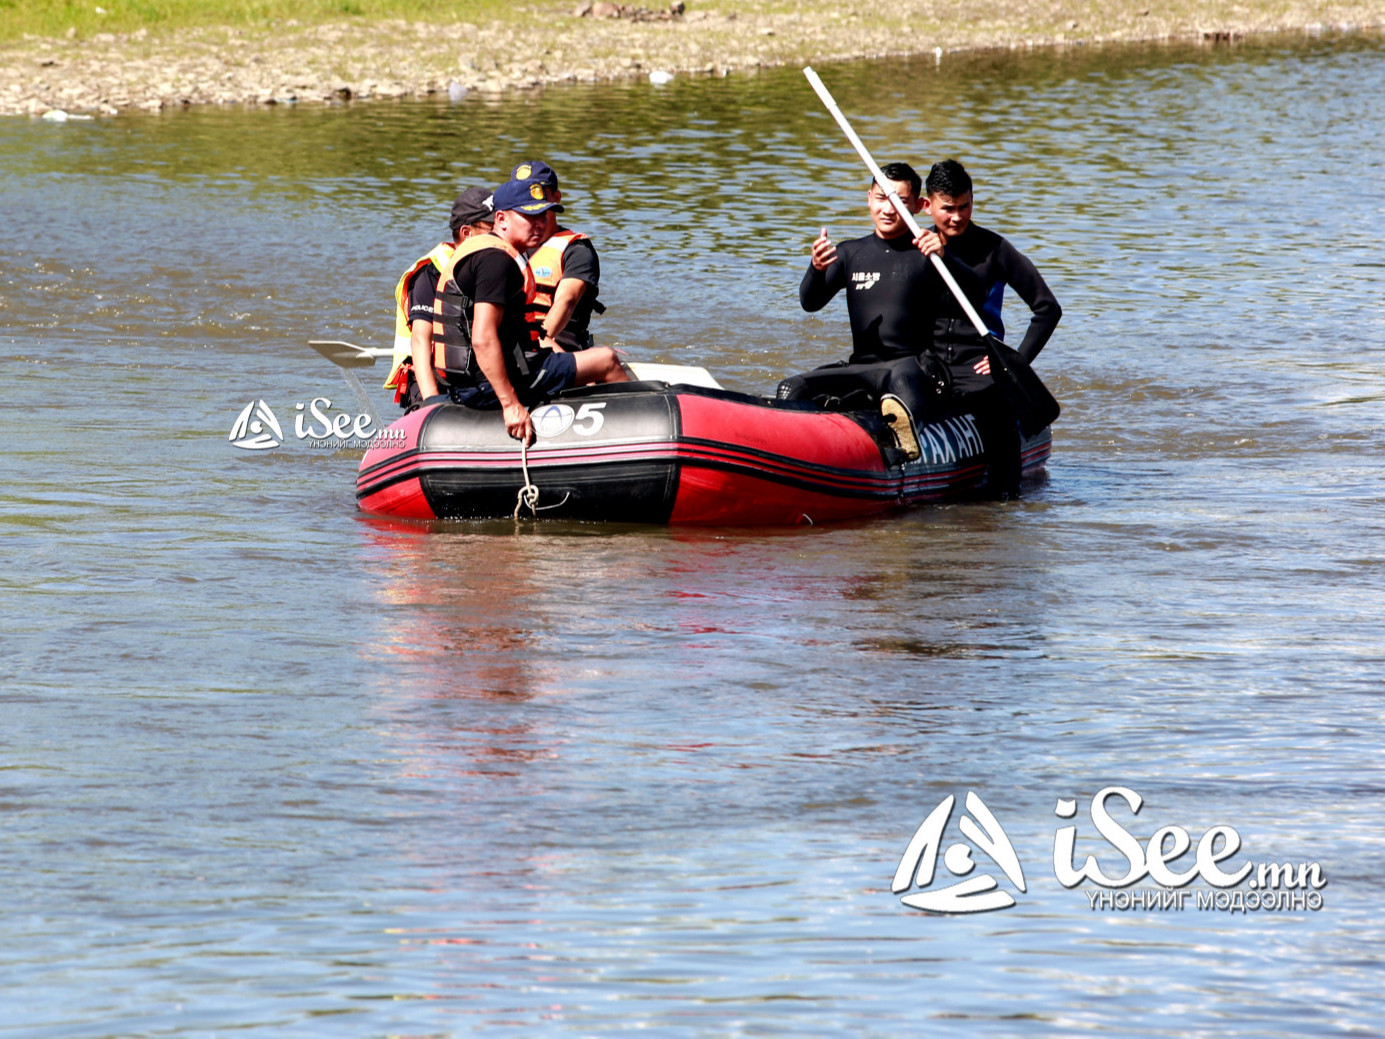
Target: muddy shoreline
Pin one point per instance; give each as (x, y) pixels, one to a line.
(357, 60)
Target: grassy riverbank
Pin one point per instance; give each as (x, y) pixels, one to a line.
(59, 18)
(151, 54)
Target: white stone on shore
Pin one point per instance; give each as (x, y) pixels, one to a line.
(659, 77)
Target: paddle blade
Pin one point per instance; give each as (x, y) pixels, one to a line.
(345, 355)
(1033, 406)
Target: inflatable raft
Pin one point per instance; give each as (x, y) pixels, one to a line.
(656, 451)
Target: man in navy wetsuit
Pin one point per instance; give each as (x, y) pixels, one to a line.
(983, 263)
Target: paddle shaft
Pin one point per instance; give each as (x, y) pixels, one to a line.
(887, 187)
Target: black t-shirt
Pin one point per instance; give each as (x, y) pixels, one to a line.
(580, 262)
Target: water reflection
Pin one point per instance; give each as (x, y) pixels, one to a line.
(461, 609)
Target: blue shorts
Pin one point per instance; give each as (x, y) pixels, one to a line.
(549, 372)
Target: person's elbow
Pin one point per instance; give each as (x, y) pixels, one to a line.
(811, 297)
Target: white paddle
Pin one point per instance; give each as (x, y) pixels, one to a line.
(887, 187)
(348, 355)
(1028, 397)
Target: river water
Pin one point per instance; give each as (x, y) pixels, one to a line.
(272, 768)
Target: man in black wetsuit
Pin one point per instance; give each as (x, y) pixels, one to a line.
(983, 263)
(909, 336)
(890, 301)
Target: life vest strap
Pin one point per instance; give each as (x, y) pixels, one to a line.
(453, 356)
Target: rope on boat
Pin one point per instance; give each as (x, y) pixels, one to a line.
(528, 496)
(529, 493)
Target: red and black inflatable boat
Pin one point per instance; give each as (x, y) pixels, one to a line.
(655, 452)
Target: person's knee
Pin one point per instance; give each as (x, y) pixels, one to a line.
(610, 364)
(599, 364)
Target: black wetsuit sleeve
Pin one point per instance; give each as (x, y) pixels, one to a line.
(1022, 276)
(817, 288)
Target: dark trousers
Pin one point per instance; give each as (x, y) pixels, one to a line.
(932, 389)
(845, 386)
(1001, 435)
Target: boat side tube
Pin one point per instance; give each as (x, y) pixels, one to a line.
(647, 452)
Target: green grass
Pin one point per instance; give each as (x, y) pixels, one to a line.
(53, 18)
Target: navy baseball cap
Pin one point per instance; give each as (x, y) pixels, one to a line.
(530, 197)
(536, 169)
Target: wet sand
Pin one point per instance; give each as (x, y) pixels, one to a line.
(358, 60)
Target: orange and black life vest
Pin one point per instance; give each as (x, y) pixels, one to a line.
(452, 313)
(547, 264)
(403, 342)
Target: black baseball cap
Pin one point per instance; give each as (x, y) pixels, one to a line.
(473, 206)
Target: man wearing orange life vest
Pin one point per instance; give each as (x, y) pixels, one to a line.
(482, 351)
(411, 369)
(567, 274)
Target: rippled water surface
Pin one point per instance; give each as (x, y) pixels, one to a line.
(270, 767)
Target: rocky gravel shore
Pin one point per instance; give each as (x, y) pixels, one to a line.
(589, 40)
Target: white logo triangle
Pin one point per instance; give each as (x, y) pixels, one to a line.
(974, 895)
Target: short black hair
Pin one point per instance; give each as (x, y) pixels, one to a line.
(902, 171)
(948, 178)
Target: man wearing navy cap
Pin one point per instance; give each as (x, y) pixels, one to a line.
(566, 271)
(482, 348)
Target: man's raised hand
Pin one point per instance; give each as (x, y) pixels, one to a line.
(824, 251)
